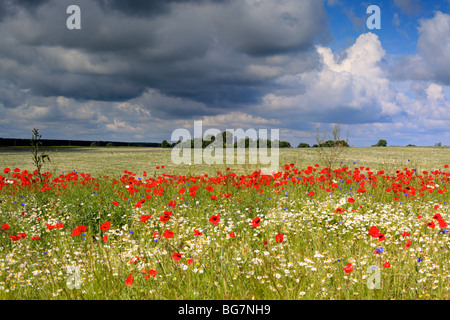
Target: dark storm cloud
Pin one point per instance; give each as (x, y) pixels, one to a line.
(214, 52)
(145, 7)
(9, 8)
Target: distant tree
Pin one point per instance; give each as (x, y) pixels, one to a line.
(411, 145)
(303, 145)
(439, 144)
(165, 144)
(94, 144)
(381, 143)
(109, 144)
(284, 144)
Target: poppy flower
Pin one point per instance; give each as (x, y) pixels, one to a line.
(165, 218)
(59, 225)
(176, 256)
(442, 223)
(348, 268)
(181, 191)
(351, 200)
(374, 231)
(256, 221)
(168, 234)
(105, 238)
(408, 243)
(213, 197)
(431, 225)
(190, 260)
(7, 170)
(76, 232)
(214, 219)
(145, 217)
(14, 237)
(381, 237)
(197, 233)
(129, 280)
(279, 237)
(115, 203)
(209, 188)
(387, 264)
(406, 234)
(49, 227)
(232, 235)
(6, 226)
(105, 226)
(133, 260)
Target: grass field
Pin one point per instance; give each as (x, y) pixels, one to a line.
(106, 223)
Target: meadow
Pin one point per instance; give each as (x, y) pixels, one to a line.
(126, 223)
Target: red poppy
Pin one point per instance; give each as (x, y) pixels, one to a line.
(213, 197)
(165, 218)
(76, 232)
(115, 203)
(168, 234)
(82, 228)
(387, 264)
(431, 225)
(214, 219)
(311, 193)
(408, 243)
(381, 237)
(6, 226)
(105, 226)
(209, 188)
(14, 237)
(232, 235)
(176, 256)
(374, 231)
(7, 170)
(197, 233)
(181, 191)
(279, 237)
(49, 227)
(129, 280)
(59, 225)
(442, 223)
(190, 260)
(105, 238)
(145, 217)
(351, 200)
(256, 221)
(133, 260)
(406, 234)
(348, 268)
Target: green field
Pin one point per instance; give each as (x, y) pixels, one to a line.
(106, 223)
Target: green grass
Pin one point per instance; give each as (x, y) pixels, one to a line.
(318, 241)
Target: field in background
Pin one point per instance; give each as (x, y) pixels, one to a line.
(114, 160)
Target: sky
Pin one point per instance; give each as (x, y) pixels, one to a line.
(138, 70)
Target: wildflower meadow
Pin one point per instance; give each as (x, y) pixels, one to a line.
(306, 232)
